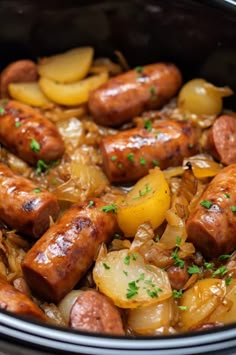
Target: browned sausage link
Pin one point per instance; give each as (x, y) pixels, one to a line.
(177, 276)
(212, 228)
(65, 252)
(28, 134)
(128, 155)
(17, 72)
(18, 303)
(93, 312)
(127, 95)
(222, 140)
(23, 206)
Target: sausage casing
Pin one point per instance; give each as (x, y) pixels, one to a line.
(17, 302)
(127, 95)
(128, 155)
(23, 206)
(212, 228)
(59, 259)
(28, 134)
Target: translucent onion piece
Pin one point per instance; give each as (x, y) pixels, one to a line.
(146, 320)
(203, 166)
(129, 281)
(175, 228)
(144, 234)
(67, 302)
(85, 181)
(200, 301)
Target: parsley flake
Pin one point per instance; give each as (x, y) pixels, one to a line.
(132, 290)
(41, 166)
(177, 294)
(148, 125)
(222, 270)
(228, 280)
(224, 256)
(155, 162)
(107, 267)
(209, 266)
(17, 124)
(153, 93)
(183, 308)
(127, 260)
(142, 161)
(113, 158)
(91, 203)
(144, 192)
(37, 191)
(2, 111)
(178, 241)
(34, 145)
(177, 260)
(125, 272)
(233, 208)
(227, 195)
(194, 269)
(139, 69)
(130, 157)
(109, 208)
(206, 203)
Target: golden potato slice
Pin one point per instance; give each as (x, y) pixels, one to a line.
(124, 277)
(148, 201)
(74, 93)
(28, 93)
(67, 67)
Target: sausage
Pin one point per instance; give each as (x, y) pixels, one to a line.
(94, 312)
(23, 206)
(177, 276)
(221, 142)
(18, 303)
(17, 72)
(212, 229)
(60, 258)
(128, 95)
(28, 134)
(128, 155)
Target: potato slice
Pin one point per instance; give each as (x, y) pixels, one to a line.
(74, 93)
(28, 93)
(129, 281)
(67, 67)
(148, 201)
(200, 301)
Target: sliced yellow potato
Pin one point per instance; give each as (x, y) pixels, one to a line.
(74, 93)
(200, 301)
(67, 67)
(148, 201)
(28, 93)
(130, 282)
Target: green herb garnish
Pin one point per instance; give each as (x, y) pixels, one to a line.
(17, 124)
(177, 260)
(177, 294)
(130, 157)
(113, 158)
(233, 208)
(148, 125)
(222, 270)
(109, 208)
(142, 161)
(107, 267)
(37, 191)
(132, 290)
(206, 203)
(194, 269)
(91, 203)
(34, 145)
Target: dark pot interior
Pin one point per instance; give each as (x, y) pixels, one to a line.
(198, 36)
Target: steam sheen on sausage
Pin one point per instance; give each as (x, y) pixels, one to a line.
(94, 312)
(17, 72)
(28, 134)
(212, 230)
(23, 206)
(222, 140)
(128, 155)
(18, 303)
(57, 261)
(127, 95)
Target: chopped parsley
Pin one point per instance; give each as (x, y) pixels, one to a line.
(209, 266)
(222, 270)
(178, 241)
(17, 124)
(125, 272)
(177, 260)
(54, 181)
(113, 158)
(127, 260)
(153, 93)
(139, 69)
(109, 208)
(2, 111)
(132, 290)
(155, 162)
(206, 203)
(120, 166)
(41, 166)
(233, 208)
(177, 294)
(142, 161)
(107, 267)
(37, 191)
(224, 256)
(144, 192)
(91, 203)
(154, 293)
(157, 238)
(134, 257)
(130, 157)
(141, 277)
(183, 308)
(34, 145)
(194, 269)
(227, 195)
(148, 125)
(228, 280)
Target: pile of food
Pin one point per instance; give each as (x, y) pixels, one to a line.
(117, 196)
